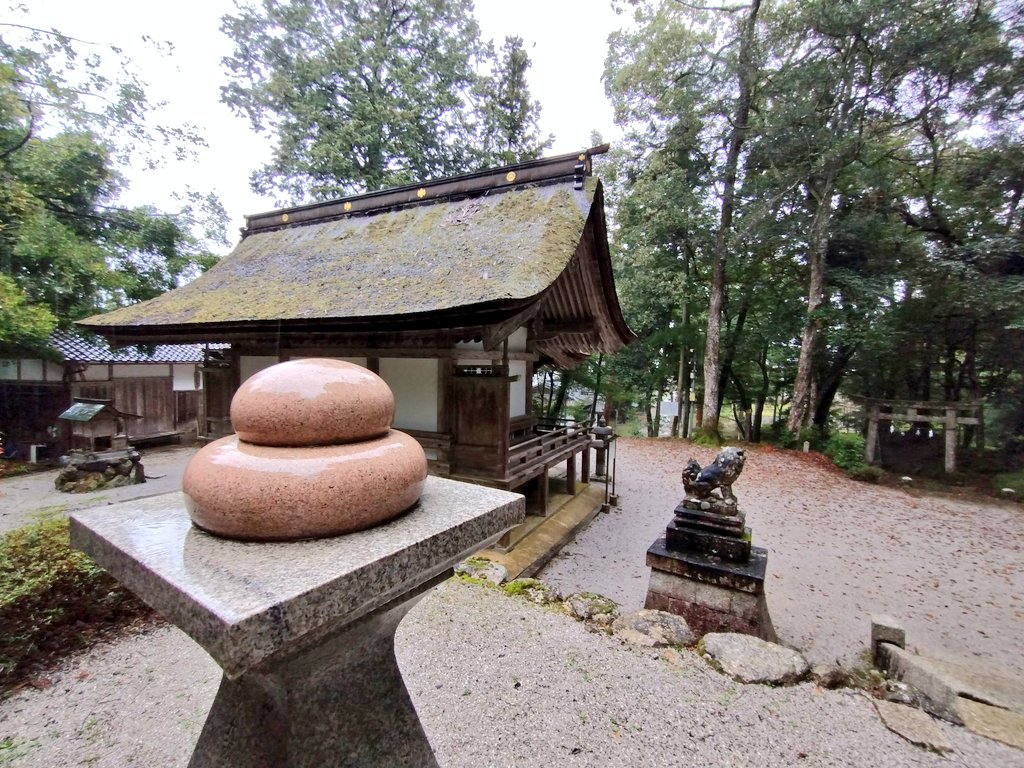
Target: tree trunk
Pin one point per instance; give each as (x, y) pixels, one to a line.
(712, 369)
(810, 341)
(683, 382)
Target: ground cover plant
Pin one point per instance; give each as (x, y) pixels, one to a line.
(53, 599)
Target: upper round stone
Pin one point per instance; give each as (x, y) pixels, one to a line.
(314, 401)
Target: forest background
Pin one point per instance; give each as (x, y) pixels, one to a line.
(812, 201)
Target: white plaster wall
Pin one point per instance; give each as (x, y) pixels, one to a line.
(357, 360)
(32, 370)
(129, 371)
(184, 377)
(250, 364)
(469, 345)
(517, 388)
(99, 372)
(8, 370)
(54, 371)
(414, 383)
(517, 341)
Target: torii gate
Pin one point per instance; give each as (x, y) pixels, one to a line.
(950, 414)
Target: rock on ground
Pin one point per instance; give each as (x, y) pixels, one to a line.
(753, 660)
(653, 629)
(913, 725)
(592, 608)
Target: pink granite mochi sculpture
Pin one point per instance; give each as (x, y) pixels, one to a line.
(313, 456)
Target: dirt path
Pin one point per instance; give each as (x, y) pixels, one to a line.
(951, 569)
(24, 498)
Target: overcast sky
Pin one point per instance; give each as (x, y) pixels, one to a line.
(566, 39)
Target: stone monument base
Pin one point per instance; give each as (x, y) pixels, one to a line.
(303, 630)
(711, 594)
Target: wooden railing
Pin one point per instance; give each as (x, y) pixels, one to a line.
(438, 446)
(552, 445)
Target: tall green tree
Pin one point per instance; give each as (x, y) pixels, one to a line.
(66, 248)
(874, 172)
(685, 78)
(358, 94)
(507, 129)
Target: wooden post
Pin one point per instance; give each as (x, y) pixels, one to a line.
(950, 430)
(570, 475)
(542, 491)
(585, 465)
(871, 444)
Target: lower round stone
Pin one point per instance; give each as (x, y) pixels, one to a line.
(244, 491)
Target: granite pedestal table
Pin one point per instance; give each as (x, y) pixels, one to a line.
(304, 631)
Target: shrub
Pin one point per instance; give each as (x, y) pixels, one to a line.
(52, 597)
(815, 437)
(846, 449)
(783, 438)
(1014, 480)
(868, 474)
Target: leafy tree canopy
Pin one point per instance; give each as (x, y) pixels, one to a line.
(66, 129)
(364, 94)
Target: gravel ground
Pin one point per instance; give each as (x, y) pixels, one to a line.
(951, 569)
(501, 682)
(539, 691)
(24, 497)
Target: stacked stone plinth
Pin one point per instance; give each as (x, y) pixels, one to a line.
(705, 569)
(314, 455)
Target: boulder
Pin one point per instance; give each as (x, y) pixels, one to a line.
(752, 660)
(592, 608)
(533, 590)
(483, 569)
(653, 629)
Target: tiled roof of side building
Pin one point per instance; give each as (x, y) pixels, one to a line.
(92, 349)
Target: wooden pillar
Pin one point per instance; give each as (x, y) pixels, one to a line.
(871, 444)
(950, 430)
(570, 475)
(585, 465)
(542, 492)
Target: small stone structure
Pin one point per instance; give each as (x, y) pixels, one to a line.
(704, 567)
(303, 629)
(88, 471)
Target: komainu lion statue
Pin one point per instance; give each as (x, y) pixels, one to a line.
(721, 473)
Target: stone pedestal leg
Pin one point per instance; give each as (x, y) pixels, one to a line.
(342, 703)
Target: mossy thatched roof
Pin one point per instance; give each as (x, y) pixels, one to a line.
(509, 244)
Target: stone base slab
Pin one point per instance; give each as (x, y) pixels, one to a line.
(341, 704)
(745, 577)
(712, 521)
(712, 595)
(731, 547)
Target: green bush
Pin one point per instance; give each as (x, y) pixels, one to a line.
(52, 598)
(783, 438)
(868, 474)
(1014, 480)
(846, 449)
